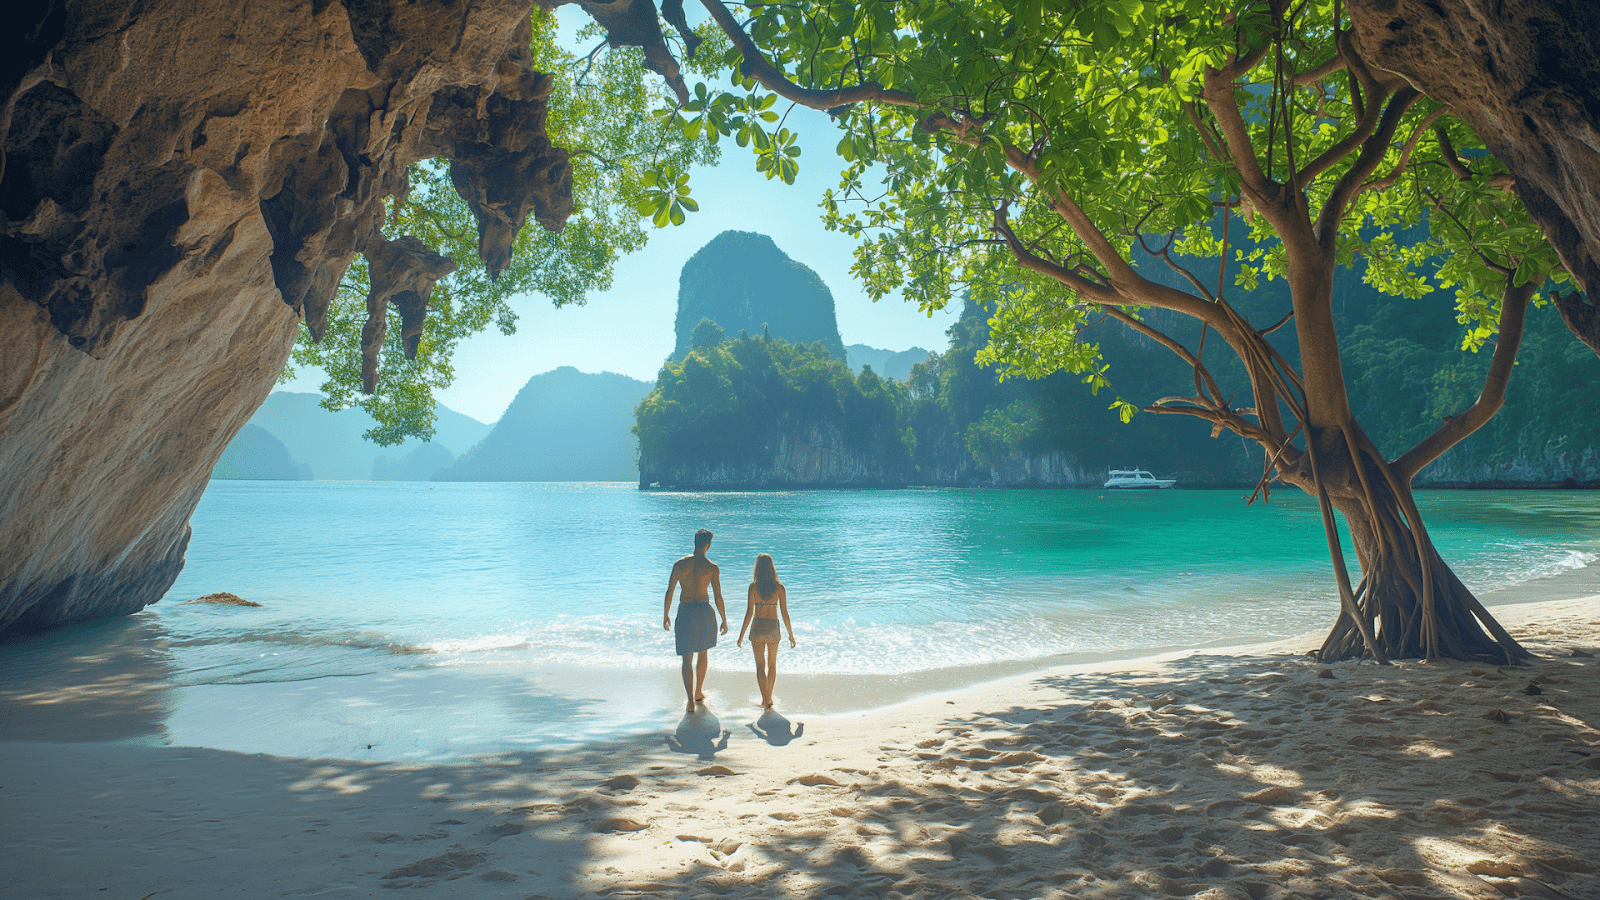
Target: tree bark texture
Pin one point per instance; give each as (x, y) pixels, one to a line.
(1409, 603)
(1525, 74)
(183, 185)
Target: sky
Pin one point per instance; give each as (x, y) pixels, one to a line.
(628, 329)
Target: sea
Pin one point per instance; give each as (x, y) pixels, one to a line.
(411, 620)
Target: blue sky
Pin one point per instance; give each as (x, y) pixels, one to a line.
(629, 328)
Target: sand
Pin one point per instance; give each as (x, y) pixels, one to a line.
(1248, 773)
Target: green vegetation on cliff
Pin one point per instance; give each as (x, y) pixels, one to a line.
(731, 402)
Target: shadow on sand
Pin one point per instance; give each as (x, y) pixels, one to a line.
(773, 728)
(699, 733)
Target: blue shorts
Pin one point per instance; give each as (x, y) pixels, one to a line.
(696, 628)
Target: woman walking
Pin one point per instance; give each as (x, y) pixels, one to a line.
(766, 601)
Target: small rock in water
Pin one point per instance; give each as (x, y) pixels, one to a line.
(717, 771)
(621, 783)
(1325, 673)
(1532, 690)
(1581, 654)
(224, 598)
(1495, 715)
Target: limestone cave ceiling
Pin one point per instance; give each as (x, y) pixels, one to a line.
(127, 125)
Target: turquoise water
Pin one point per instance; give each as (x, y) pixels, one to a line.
(412, 621)
(352, 574)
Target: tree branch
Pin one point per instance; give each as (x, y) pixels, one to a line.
(770, 77)
(1513, 311)
(1311, 76)
(1405, 155)
(1373, 150)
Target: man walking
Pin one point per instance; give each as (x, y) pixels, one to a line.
(697, 625)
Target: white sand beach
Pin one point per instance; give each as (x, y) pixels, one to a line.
(1249, 773)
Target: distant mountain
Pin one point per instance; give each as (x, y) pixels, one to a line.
(331, 443)
(887, 363)
(421, 464)
(743, 282)
(564, 425)
(255, 455)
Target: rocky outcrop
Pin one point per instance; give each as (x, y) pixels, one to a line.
(1044, 470)
(804, 454)
(1551, 468)
(183, 186)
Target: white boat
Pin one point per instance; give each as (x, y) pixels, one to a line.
(1137, 478)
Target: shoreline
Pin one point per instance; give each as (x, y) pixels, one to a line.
(409, 714)
(1227, 773)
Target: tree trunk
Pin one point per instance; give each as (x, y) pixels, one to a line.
(1411, 604)
(1525, 74)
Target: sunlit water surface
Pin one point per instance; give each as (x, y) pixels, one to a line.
(466, 580)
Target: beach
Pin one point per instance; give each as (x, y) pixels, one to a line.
(1248, 773)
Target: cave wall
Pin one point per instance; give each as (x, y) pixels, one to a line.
(184, 185)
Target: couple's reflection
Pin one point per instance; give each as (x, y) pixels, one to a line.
(699, 733)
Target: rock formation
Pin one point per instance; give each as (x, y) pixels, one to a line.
(743, 282)
(182, 187)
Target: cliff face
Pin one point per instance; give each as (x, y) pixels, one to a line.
(1551, 468)
(742, 281)
(809, 454)
(183, 186)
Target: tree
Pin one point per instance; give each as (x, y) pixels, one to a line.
(600, 110)
(1028, 149)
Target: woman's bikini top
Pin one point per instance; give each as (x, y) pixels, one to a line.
(765, 603)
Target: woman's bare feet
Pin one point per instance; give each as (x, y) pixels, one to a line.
(690, 707)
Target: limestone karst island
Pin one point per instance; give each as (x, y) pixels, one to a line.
(910, 450)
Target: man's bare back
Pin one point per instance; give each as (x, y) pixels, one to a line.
(692, 574)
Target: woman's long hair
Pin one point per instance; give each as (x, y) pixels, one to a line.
(766, 577)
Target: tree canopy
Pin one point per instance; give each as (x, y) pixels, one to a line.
(1026, 150)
